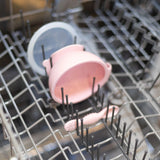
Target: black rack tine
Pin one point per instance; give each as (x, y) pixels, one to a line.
(62, 93)
(98, 147)
(97, 102)
(119, 119)
(135, 149)
(104, 156)
(82, 130)
(67, 103)
(75, 39)
(43, 55)
(97, 95)
(51, 62)
(92, 147)
(22, 22)
(67, 106)
(123, 133)
(72, 111)
(144, 156)
(107, 113)
(154, 82)
(28, 29)
(87, 132)
(129, 141)
(93, 85)
(77, 123)
(112, 117)
(43, 52)
(102, 100)
(98, 92)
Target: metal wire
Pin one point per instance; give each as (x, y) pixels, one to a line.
(37, 125)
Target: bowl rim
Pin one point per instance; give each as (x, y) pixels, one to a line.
(107, 70)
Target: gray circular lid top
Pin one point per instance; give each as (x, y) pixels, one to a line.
(52, 36)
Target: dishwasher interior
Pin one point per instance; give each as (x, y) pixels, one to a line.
(123, 33)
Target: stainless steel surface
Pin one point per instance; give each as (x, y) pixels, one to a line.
(33, 124)
(37, 12)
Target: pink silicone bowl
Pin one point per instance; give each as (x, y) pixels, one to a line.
(55, 55)
(74, 69)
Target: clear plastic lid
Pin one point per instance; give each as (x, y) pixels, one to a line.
(52, 36)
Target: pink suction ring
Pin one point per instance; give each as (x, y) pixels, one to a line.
(74, 71)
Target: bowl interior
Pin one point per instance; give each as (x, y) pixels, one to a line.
(77, 82)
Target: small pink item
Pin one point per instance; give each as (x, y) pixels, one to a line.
(91, 118)
(74, 69)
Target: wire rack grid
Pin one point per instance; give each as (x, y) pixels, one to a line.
(34, 125)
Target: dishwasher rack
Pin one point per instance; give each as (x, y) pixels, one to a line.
(125, 35)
